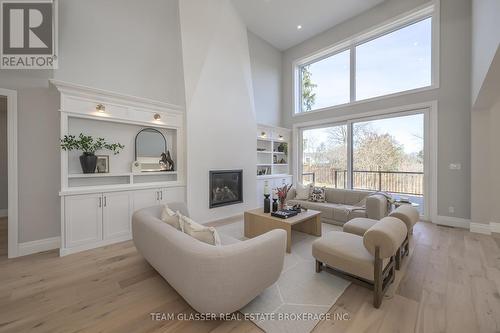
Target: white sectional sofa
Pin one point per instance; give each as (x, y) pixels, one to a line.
(343, 205)
(212, 279)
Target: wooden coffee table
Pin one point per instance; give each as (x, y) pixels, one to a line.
(258, 223)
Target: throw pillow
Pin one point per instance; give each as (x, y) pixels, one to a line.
(170, 217)
(318, 194)
(302, 192)
(204, 234)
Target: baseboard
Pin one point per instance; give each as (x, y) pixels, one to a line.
(41, 245)
(480, 228)
(451, 221)
(495, 227)
(4, 212)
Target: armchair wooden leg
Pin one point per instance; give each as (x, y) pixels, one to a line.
(378, 280)
(398, 259)
(319, 266)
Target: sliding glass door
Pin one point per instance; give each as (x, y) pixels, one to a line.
(324, 156)
(388, 156)
(383, 153)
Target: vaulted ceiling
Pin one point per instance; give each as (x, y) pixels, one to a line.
(277, 21)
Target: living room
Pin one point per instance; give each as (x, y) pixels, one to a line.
(337, 157)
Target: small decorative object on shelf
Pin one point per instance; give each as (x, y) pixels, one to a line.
(282, 192)
(136, 166)
(88, 146)
(275, 205)
(167, 162)
(102, 165)
(283, 148)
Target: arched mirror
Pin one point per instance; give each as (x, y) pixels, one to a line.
(150, 149)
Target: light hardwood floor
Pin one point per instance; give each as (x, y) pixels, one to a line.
(450, 283)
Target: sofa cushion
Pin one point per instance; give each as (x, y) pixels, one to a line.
(351, 198)
(345, 252)
(202, 233)
(344, 213)
(334, 195)
(325, 208)
(318, 194)
(302, 192)
(358, 226)
(170, 217)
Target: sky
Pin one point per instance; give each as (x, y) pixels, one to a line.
(395, 62)
(407, 130)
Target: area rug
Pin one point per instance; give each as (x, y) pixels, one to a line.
(300, 296)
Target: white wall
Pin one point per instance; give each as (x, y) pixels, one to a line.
(3, 155)
(128, 46)
(485, 179)
(453, 95)
(266, 63)
(103, 44)
(221, 124)
(485, 40)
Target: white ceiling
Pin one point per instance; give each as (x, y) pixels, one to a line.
(276, 20)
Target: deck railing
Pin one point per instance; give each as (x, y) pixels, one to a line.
(402, 182)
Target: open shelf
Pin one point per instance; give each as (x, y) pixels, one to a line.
(119, 178)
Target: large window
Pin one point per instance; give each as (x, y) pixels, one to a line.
(395, 62)
(326, 82)
(385, 62)
(382, 154)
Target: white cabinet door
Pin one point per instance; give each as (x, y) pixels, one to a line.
(146, 198)
(117, 213)
(83, 219)
(173, 194)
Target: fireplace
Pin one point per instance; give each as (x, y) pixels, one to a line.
(226, 187)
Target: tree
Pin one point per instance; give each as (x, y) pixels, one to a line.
(378, 152)
(308, 94)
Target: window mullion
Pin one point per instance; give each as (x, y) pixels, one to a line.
(352, 75)
(349, 154)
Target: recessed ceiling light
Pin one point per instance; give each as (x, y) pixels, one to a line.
(299, 27)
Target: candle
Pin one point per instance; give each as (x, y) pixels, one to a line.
(266, 188)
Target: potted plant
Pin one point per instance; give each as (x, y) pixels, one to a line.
(88, 146)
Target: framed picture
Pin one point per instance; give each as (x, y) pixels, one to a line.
(102, 165)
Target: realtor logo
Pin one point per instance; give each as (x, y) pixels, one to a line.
(28, 34)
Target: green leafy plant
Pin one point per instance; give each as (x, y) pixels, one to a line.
(89, 145)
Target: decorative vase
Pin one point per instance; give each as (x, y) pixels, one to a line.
(282, 204)
(275, 205)
(267, 204)
(88, 162)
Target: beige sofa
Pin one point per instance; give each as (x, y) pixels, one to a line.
(212, 279)
(344, 205)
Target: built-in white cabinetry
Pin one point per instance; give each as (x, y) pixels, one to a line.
(146, 198)
(117, 208)
(157, 196)
(83, 220)
(273, 159)
(97, 208)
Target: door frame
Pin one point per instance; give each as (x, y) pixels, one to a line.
(430, 111)
(13, 207)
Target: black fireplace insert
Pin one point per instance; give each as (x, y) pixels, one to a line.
(226, 187)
